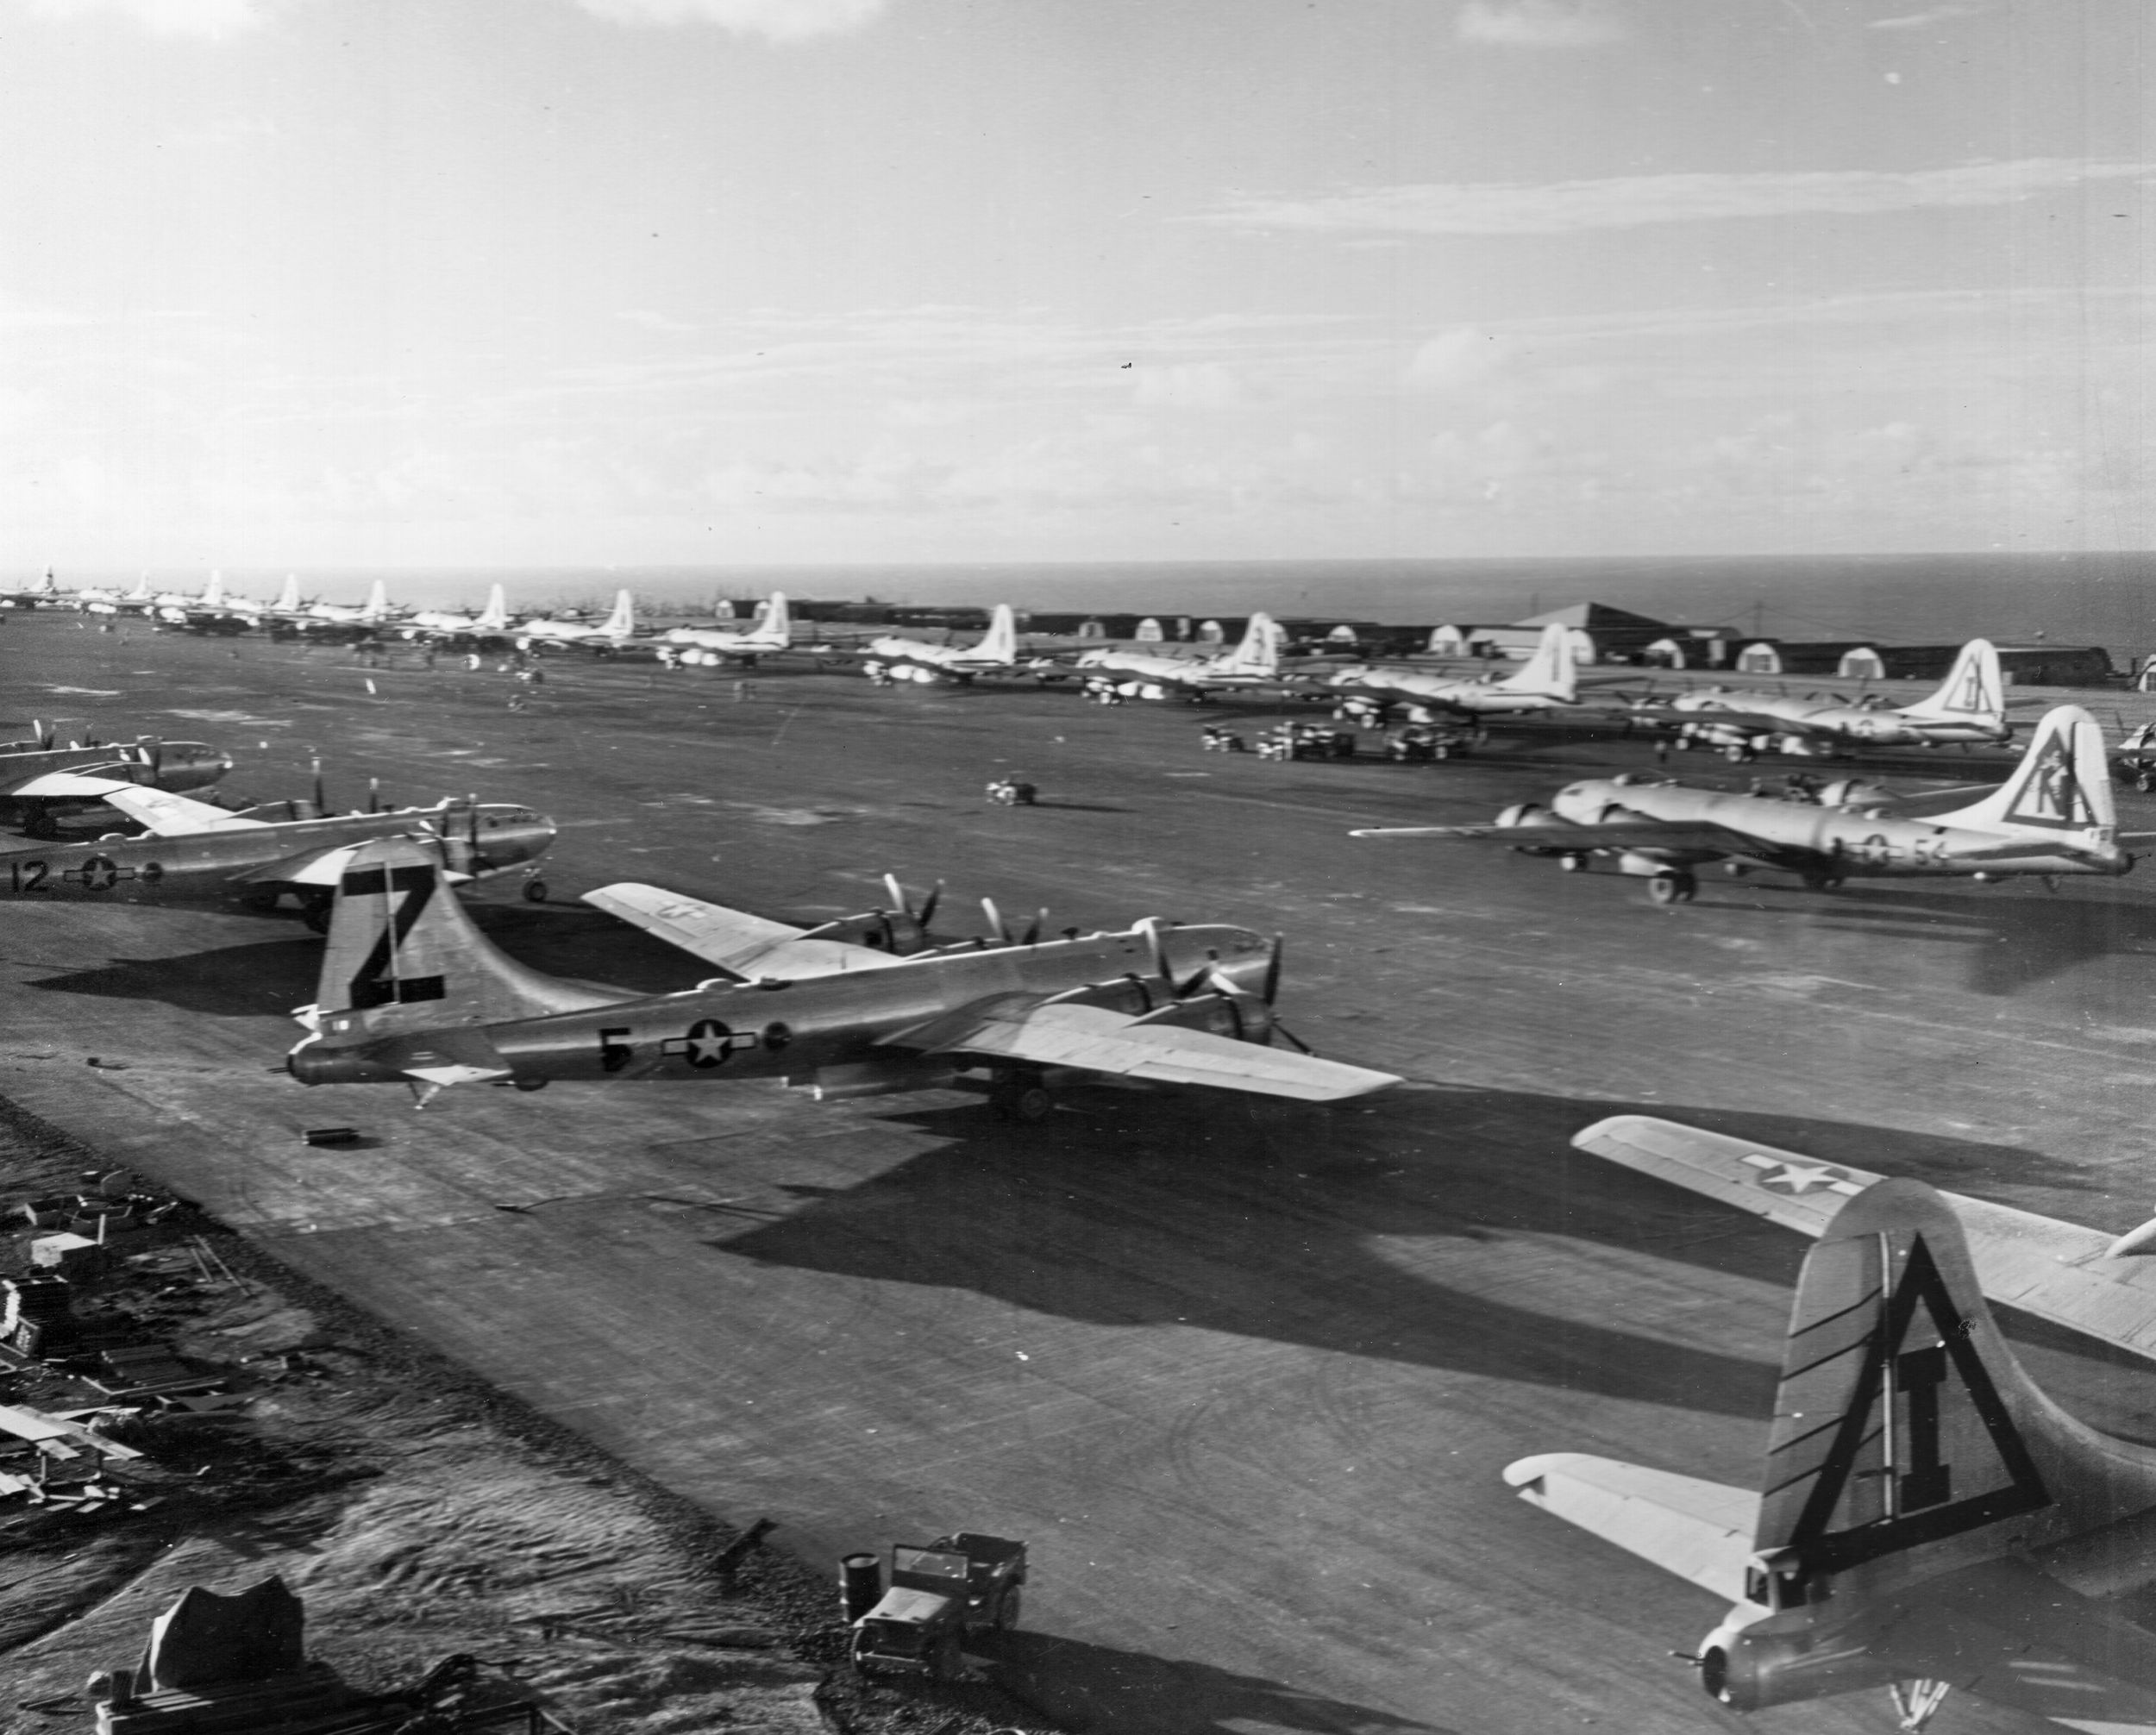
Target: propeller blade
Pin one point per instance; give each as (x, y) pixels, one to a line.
(1033, 928)
(1281, 1029)
(373, 795)
(927, 911)
(1156, 943)
(899, 903)
(321, 799)
(1271, 990)
(997, 928)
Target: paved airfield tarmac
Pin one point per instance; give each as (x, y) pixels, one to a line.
(1245, 1376)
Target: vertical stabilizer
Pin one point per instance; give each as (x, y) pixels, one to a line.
(1550, 671)
(402, 955)
(1974, 690)
(213, 592)
(288, 599)
(140, 593)
(495, 617)
(776, 628)
(1001, 642)
(622, 623)
(377, 601)
(1260, 650)
(2062, 787)
(1903, 1423)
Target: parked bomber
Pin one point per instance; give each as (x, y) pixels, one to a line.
(1548, 680)
(1114, 675)
(1968, 707)
(894, 658)
(1929, 1519)
(42, 592)
(411, 992)
(616, 629)
(194, 851)
(34, 786)
(2053, 816)
(449, 625)
(774, 632)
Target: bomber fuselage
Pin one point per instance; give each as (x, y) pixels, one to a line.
(218, 863)
(1848, 842)
(796, 1029)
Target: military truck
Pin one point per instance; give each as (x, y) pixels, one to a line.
(959, 1585)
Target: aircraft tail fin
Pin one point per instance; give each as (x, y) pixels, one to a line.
(777, 624)
(140, 593)
(1001, 642)
(289, 597)
(213, 592)
(1550, 670)
(622, 623)
(377, 600)
(1904, 1422)
(1260, 651)
(495, 619)
(2063, 785)
(402, 955)
(1974, 687)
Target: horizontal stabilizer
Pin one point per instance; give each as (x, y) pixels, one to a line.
(750, 947)
(1700, 1531)
(449, 1057)
(2087, 1279)
(51, 784)
(1094, 1039)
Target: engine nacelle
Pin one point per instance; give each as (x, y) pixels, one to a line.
(1777, 1661)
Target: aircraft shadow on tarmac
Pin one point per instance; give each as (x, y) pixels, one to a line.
(1097, 1688)
(1342, 1235)
(2016, 942)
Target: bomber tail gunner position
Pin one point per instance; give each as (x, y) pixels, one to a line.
(194, 851)
(411, 992)
(2053, 816)
(1929, 1519)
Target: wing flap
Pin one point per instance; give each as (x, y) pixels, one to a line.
(1094, 1039)
(744, 945)
(1700, 1530)
(2065, 1273)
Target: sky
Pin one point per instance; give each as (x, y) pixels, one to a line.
(307, 283)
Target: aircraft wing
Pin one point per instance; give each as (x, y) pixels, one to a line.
(2084, 1278)
(1094, 1039)
(1700, 1531)
(95, 780)
(1623, 834)
(171, 816)
(743, 945)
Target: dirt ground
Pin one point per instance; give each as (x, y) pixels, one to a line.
(417, 1512)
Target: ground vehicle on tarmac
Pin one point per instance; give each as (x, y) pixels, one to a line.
(959, 1585)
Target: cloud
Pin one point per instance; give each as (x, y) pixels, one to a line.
(170, 17)
(1634, 201)
(1541, 23)
(778, 21)
(1458, 359)
(1944, 14)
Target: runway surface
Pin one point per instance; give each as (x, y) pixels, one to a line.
(1245, 1376)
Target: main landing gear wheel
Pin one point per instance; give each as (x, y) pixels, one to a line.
(1007, 1610)
(1673, 888)
(315, 911)
(1022, 1099)
(1573, 862)
(2145, 781)
(534, 891)
(1737, 754)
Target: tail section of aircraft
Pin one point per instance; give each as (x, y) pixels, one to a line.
(140, 593)
(2063, 785)
(1260, 651)
(288, 599)
(495, 619)
(622, 623)
(777, 625)
(1550, 671)
(402, 955)
(1910, 1450)
(377, 601)
(1000, 643)
(1974, 687)
(213, 592)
